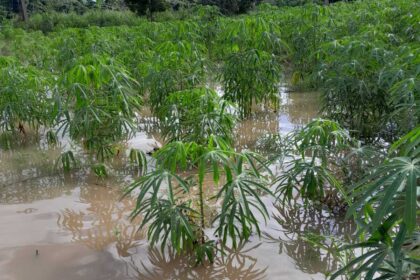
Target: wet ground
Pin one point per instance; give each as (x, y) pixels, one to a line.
(76, 227)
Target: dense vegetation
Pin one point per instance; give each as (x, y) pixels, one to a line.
(88, 84)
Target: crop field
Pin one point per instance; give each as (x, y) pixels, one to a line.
(76, 90)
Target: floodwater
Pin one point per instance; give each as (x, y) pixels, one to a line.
(75, 227)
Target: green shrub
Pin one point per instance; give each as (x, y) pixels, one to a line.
(54, 21)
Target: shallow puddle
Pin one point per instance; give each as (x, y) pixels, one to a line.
(76, 227)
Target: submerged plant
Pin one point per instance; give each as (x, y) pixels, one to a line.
(351, 95)
(251, 77)
(172, 199)
(195, 115)
(385, 207)
(363, 56)
(25, 97)
(138, 159)
(67, 161)
(308, 160)
(174, 66)
(99, 105)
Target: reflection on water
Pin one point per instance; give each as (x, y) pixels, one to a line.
(168, 265)
(296, 109)
(82, 229)
(25, 192)
(26, 164)
(103, 222)
(296, 222)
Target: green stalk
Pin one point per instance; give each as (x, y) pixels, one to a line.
(201, 199)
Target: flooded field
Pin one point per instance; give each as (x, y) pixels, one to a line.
(77, 227)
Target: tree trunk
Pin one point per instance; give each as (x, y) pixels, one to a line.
(150, 10)
(22, 10)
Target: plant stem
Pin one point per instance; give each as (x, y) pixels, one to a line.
(201, 199)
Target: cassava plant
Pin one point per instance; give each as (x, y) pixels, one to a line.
(173, 199)
(175, 66)
(308, 155)
(25, 97)
(98, 105)
(251, 77)
(351, 95)
(385, 207)
(195, 115)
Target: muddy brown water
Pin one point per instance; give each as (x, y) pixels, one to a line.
(76, 227)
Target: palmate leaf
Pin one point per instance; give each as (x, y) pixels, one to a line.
(195, 115)
(378, 260)
(375, 252)
(384, 232)
(320, 137)
(138, 158)
(164, 216)
(394, 177)
(23, 96)
(176, 155)
(216, 141)
(257, 163)
(306, 177)
(307, 155)
(216, 120)
(98, 103)
(167, 220)
(240, 195)
(249, 76)
(203, 250)
(214, 159)
(100, 171)
(240, 199)
(408, 145)
(175, 65)
(286, 184)
(150, 186)
(67, 161)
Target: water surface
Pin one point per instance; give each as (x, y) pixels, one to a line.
(76, 227)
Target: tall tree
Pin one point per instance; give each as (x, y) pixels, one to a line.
(23, 10)
(231, 6)
(146, 7)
